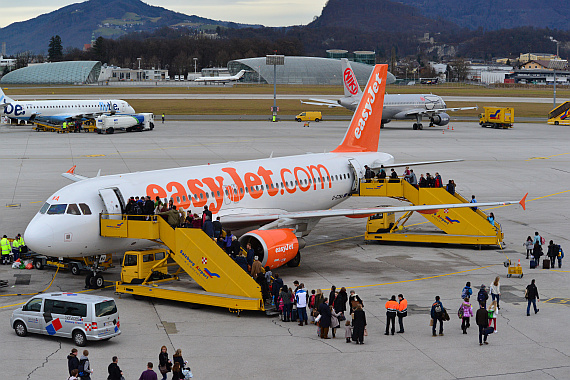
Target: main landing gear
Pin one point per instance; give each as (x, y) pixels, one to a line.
(94, 279)
(418, 126)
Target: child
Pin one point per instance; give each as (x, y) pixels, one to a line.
(493, 312)
(529, 245)
(467, 313)
(74, 373)
(347, 331)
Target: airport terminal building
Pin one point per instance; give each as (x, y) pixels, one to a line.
(69, 72)
(301, 70)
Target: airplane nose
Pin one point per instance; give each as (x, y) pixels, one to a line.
(39, 236)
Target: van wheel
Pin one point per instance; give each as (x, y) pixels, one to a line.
(79, 338)
(297, 119)
(38, 264)
(317, 120)
(75, 270)
(20, 328)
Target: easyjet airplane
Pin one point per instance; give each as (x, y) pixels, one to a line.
(278, 200)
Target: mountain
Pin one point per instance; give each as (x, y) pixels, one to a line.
(377, 16)
(77, 23)
(494, 14)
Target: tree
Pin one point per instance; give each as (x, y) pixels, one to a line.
(460, 69)
(55, 50)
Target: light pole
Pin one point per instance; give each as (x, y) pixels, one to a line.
(195, 60)
(274, 60)
(555, 64)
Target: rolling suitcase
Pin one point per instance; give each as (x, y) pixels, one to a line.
(532, 264)
(546, 264)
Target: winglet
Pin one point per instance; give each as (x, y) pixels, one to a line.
(72, 170)
(523, 202)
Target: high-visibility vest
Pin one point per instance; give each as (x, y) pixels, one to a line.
(21, 242)
(403, 306)
(5, 245)
(15, 243)
(392, 307)
(64, 125)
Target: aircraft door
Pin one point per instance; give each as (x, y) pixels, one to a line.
(357, 171)
(431, 102)
(113, 204)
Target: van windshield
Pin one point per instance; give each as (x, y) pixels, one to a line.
(105, 308)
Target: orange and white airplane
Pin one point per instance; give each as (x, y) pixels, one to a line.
(278, 200)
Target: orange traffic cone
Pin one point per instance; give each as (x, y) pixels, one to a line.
(452, 128)
(443, 131)
(519, 264)
(447, 126)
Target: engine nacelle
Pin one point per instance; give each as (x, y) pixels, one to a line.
(274, 248)
(440, 119)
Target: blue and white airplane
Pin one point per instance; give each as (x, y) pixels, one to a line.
(58, 111)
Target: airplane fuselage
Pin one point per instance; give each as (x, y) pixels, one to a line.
(396, 105)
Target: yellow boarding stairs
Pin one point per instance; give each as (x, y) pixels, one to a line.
(457, 225)
(225, 284)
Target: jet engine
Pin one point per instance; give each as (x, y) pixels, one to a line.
(440, 119)
(275, 248)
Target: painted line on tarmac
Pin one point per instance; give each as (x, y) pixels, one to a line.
(546, 157)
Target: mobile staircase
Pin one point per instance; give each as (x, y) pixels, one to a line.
(456, 225)
(223, 282)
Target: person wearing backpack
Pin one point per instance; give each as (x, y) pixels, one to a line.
(467, 292)
(483, 296)
(437, 315)
(493, 313)
(85, 370)
(560, 256)
(466, 311)
(552, 252)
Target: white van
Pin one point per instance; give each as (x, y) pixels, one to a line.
(81, 317)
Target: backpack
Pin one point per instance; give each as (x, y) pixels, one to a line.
(560, 252)
(437, 308)
(81, 367)
(490, 314)
(481, 296)
(542, 240)
(460, 312)
(465, 293)
(312, 301)
(137, 210)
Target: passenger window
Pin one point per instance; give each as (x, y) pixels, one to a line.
(159, 255)
(57, 209)
(206, 196)
(53, 306)
(201, 196)
(34, 305)
(44, 208)
(147, 258)
(72, 209)
(227, 193)
(184, 198)
(241, 190)
(85, 209)
(177, 199)
(218, 192)
(130, 260)
(75, 309)
(246, 189)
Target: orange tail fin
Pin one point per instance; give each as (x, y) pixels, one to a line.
(364, 130)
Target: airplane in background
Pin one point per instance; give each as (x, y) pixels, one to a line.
(221, 79)
(396, 107)
(277, 201)
(58, 111)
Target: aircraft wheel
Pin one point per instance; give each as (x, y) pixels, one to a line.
(88, 280)
(420, 126)
(297, 119)
(556, 123)
(75, 270)
(38, 264)
(97, 281)
(296, 261)
(415, 126)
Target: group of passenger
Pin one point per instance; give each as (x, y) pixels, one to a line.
(534, 251)
(11, 251)
(426, 180)
(80, 368)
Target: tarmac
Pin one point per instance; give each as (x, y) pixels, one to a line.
(498, 165)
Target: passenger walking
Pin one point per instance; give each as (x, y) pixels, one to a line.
(227, 241)
(529, 245)
(531, 295)
(393, 176)
(491, 219)
(347, 331)
(382, 173)
(467, 291)
(437, 316)
(354, 300)
(537, 252)
(72, 361)
(341, 300)
(325, 319)
(560, 256)
(208, 227)
(257, 267)
(319, 299)
(482, 296)
(276, 288)
(250, 254)
(164, 364)
(391, 311)
(496, 291)
(217, 227)
(493, 313)
(85, 370)
(482, 319)
(358, 324)
(473, 200)
(423, 181)
(177, 372)
(177, 358)
(149, 374)
(413, 179)
(285, 297)
(437, 181)
(332, 295)
(450, 187)
(235, 249)
(302, 298)
(466, 314)
(538, 239)
(402, 312)
(552, 253)
(115, 372)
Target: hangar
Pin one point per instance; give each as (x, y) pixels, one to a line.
(300, 70)
(69, 72)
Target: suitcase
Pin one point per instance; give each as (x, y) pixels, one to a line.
(546, 264)
(532, 264)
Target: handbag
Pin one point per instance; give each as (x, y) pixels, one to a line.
(341, 318)
(526, 293)
(365, 332)
(163, 369)
(431, 322)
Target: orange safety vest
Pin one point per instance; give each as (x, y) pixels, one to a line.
(403, 306)
(392, 306)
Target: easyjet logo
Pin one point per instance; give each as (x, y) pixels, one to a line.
(284, 248)
(350, 81)
(235, 186)
(370, 97)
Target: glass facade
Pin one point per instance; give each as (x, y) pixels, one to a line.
(367, 57)
(70, 72)
(301, 70)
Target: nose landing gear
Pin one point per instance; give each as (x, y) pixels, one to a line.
(95, 280)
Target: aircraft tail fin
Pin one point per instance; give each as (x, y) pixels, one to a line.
(364, 130)
(5, 99)
(351, 87)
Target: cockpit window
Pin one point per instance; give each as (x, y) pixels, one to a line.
(85, 209)
(72, 209)
(44, 208)
(57, 209)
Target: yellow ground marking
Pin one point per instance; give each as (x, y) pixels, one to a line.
(547, 157)
(560, 301)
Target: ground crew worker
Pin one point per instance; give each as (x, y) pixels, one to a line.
(19, 242)
(16, 248)
(5, 246)
(391, 310)
(64, 126)
(163, 118)
(402, 312)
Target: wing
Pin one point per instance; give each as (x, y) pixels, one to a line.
(417, 163)
(322, 102)
(280, 219)
(423, 111)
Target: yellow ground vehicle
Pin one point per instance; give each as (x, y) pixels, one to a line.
(309, 116)
(560, 115)
(497, 117)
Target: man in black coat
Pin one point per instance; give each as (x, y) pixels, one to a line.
(115, 372)
(72, 361)
(325, 321)
(148, 208)
(482, 319)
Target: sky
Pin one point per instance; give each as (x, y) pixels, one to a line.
(265, 12)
